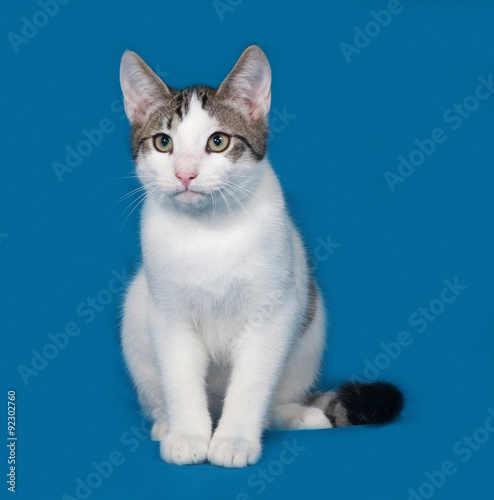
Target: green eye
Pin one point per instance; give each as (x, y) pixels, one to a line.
(163, 143)
(218, 142)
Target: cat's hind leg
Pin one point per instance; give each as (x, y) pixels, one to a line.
(289, 407)
(296, 406)
(295, 416)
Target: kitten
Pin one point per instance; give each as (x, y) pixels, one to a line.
(224, 326)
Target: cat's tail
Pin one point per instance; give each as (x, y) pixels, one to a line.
(357, 403)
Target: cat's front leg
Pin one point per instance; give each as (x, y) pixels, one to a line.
(182, 363)
(257, 360)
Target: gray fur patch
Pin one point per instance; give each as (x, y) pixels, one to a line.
(247, 137)
(310, 310)
(152, 126)
(337, 413)
(253, 135)
(312, 399)
(328, 402)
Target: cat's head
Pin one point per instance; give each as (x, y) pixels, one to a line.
(199, 147)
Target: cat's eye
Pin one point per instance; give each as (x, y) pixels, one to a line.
(218, 142)
(163, 143)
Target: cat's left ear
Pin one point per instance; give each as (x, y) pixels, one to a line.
(248, 84)
(141, 86)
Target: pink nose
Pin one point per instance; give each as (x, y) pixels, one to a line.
(185, 177)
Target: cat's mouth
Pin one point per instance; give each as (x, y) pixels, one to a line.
(190, 194)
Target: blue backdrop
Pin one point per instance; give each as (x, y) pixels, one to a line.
(383, 136)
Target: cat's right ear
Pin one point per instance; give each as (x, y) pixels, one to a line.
(141, 86)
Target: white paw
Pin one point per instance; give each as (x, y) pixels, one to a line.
(183, 449)
(159, 430)
(309, 418)
(233, 452)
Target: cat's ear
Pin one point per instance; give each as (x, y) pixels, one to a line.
(141, 86)
(248, 84)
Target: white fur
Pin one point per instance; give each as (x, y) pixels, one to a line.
(212, 321)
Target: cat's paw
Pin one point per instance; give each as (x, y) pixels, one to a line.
(293, 416)
(183, 449)
(233, 452)
(308, 418)
(159, 430)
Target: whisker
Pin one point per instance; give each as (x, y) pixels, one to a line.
(226, 202)
(143, 195)
(125, 196)
(143, 198)
(234, 196)
(161, 198)
(213, 200)
(248, 191)
(244, 189)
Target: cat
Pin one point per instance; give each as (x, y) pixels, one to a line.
(224, 326)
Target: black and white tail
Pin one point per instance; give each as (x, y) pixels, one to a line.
(357, 403)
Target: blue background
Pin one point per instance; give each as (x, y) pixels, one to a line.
(349, 121)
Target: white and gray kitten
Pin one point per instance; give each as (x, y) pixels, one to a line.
(224, 327)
